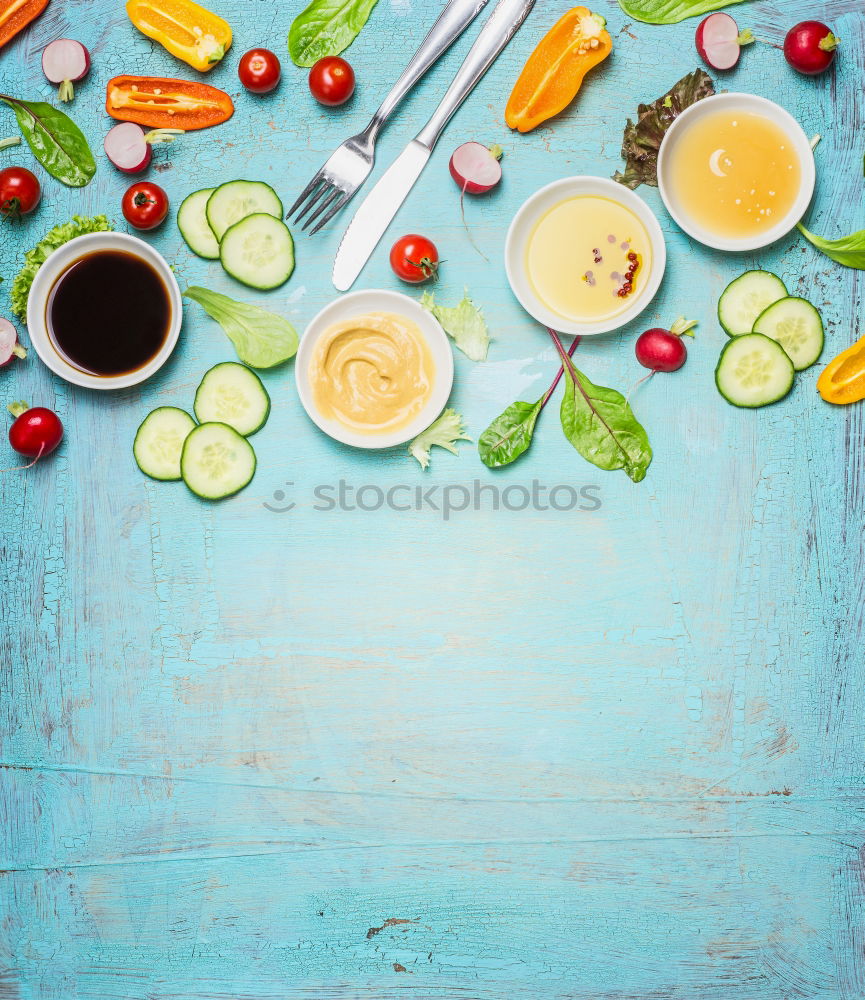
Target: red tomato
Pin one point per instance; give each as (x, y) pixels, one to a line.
(259, 71)
(145, 205)
(19, 192)
(331, 81)
(414, 259)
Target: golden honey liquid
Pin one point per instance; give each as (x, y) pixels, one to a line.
(736, 173)
(562, 252)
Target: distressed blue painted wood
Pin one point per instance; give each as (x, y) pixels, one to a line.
(349, 753)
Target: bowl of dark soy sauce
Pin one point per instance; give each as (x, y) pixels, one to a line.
(104, 311)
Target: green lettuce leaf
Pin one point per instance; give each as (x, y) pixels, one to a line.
(261, 338)
(35, 258)
(642, 140)
(463, 323)
(671, 11)
(849, 250)
(326, 28)
(445, 433)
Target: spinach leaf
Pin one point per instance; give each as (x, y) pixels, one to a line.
(261, 338)
(326, 28)
(671, 11)
(509, 435)
(849, 250)
(642, 141)
(57, 142)
(600, 424)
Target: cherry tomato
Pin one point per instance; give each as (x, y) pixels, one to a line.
(331, 81)
(414, 259)
(145, 205)
(19, 192)
(259, 71)
(36, 431)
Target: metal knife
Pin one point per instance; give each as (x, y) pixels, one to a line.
(379, 207)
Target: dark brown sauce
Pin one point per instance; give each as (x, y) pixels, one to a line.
(109, 313)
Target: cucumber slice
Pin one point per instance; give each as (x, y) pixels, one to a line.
(744, 299)
(216, 461)
(258, 251)
(159, 442)
(235, 200)
(798, 328)
(194, 227)
(232, 394)
(754, 370)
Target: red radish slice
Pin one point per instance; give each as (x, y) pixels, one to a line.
(130, 148)
(65, 62)
(720, 42)
(9, 346)
(476, 168)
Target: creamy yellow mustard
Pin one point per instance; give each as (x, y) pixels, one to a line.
(372, 373)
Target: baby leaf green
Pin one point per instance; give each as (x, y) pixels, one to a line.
(445, 433)
(326, 28)
(671, 11)
(509, 435)
(849, 250)
(56, 141)
(464, 323)
(261, 338)
(601, 425)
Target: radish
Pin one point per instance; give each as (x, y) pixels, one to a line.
(9, 346)
(130, 148)
(476, 168)
(720, 42)
(663, 350)
(65, 61)
(810, 47)
(35, 433)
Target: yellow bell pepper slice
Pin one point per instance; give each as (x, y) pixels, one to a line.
(843, 380)
(189, 31)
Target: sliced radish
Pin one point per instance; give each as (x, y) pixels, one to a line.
(9, 346)
(476, 168)
(720, 42)
(129, 147)
(65, 62)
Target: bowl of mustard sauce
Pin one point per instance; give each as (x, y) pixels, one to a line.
(374, 369)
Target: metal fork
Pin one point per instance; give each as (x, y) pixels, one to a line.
(352, 162)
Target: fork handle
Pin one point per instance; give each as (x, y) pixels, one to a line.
(503, 24)
(450, 24)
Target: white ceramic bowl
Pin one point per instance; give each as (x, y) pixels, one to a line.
(756, 105)
(358, 304)
(523, 226)
(44, 281)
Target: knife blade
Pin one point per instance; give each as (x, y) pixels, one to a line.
(376, 213)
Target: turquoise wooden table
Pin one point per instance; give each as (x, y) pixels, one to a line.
(301, 752)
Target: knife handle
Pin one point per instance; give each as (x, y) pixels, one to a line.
(501, 27)
(450, 24)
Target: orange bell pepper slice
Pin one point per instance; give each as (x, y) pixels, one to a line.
(554, 72)
(188, 30)
(160, 103)
(843, 380)
(15, 15)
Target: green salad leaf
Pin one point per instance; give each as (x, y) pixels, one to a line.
(849, 250)
(35, 258)
(509, 435)
(642, 139)
(445, 433)
(326, 28)
(464, 324)
(56, 141)
(671, 11)
(261, 338)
